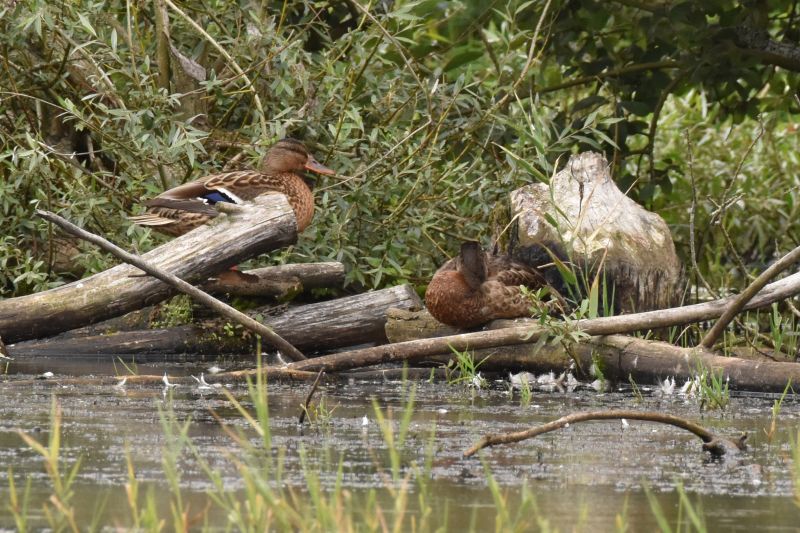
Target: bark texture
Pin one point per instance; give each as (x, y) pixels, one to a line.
(316, 327)
(596, 225)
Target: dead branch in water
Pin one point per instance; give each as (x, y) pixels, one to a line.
(224, 309)
(712, 443)
(304, 410)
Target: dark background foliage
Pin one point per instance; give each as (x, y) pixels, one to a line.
(430, 111)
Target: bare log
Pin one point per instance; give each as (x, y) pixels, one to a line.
(188, 339)
(323, 326)
(209, 301)
(195, 256)
(529, 333)
(358, 319)
(712, 443)
(280, 281)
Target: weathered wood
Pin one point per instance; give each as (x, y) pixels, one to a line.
(256, 229)
(417, 350)
(358, 319)
(596, 224)
(229, 312)
(621, 357)
(280, 281)
(750, 291)
(188, 339)
(323, 326)
(647, 361)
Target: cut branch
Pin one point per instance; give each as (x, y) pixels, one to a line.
(712, 443)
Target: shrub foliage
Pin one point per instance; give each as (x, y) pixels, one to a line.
(429, 111)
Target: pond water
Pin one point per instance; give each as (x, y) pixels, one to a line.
(582, 477)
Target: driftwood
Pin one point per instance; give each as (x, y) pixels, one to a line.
(712, 443)
(173, 281)
(595, 225)
(281, 281)
(193, 257)
(358, 319)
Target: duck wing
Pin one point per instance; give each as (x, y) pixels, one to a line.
(513, 273)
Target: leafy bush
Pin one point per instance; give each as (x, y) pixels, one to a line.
(424, 108)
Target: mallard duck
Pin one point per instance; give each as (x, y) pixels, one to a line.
(476, 287)
(190, 205)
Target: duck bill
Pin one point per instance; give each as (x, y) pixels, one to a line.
(315, 166)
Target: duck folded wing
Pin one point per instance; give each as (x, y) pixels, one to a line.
(193, 205)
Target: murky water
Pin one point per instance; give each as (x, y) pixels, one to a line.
(586, 474)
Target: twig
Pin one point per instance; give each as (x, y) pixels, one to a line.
(3, 350)
(308, 397)
(712, 443)
(220, 307)
(738, 304)
(231, 62)
(419, 349)
(692, 216)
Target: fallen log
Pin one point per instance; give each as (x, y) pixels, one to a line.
(323, 326)
(279, 281)
(528, 333)
(231, 313)
(620, 357)
(255, 229)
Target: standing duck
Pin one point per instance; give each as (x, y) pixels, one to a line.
(190, 205)
(476, 287)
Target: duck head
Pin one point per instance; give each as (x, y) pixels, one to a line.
(472, 265)
(290, 155)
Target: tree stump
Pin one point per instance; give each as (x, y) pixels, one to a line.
(582, 217)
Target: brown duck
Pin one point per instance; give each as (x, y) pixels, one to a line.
(476, 287)
(190, 205)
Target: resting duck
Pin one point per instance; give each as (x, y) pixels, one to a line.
(190, 205)
(476, 287)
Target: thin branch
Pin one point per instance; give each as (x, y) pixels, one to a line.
(222, 308)
(614, 73)
(738, 304)
(231, 61)
(308, 397)
(712, 443)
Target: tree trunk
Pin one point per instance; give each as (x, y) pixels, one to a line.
(323, 326)
(255, 229)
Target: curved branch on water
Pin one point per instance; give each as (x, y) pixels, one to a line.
(712, 443)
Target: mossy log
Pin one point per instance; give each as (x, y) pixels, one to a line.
(317, 327)
(254, 229)
(582, 217)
